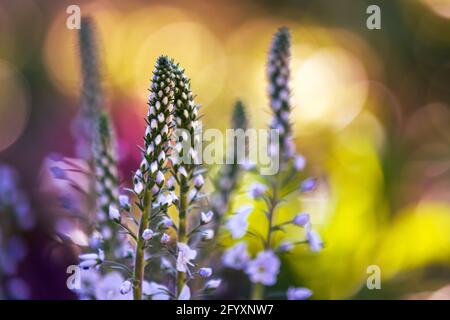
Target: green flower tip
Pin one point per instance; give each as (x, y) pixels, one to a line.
(164, 61)
(281, 39)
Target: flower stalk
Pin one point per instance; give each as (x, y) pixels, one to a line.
(149, 179)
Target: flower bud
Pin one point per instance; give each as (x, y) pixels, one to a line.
(147, 234)
(114, 213)
(125, 287)
(205, 272)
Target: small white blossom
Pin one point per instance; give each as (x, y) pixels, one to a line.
(206, 217)
(185, 255)
(182, 171)
(237, 224)
(237, 256)
(213, 284)
(286, 246)
(124, 201)
(256, 190)
(205, 272)
(147, 234)
(264, 268)
(166, 222)
(114, 213)
(159, 178)
(298, 293)
(153, 167)
(126, 287)
(165, 238)
(138, 187)
(299, 162)
(313, 238)
(208, 234)
(199, 181)
(301, 219)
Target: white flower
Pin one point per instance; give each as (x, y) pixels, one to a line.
(170, 184)
(155, 290)
(153, 167)
(237, 224)
(147, 234)
(206, 217)
(213, 284)
(182, 171)
(237, 256)
(185, 293)
(299, 162)
(199, 181)
(301, 219)
(286, 246)
(298, 293)
(165, 238)
(159, 178)
(162, 156)
(205, 272)
(158, 140)
(114, 213)
(166, 222)
(126, 287)
(264, 268)
(138, 187)
(313, 238)
(208, 234)
(124, 201)
(144, 165)
(256, 190)
(185, 255)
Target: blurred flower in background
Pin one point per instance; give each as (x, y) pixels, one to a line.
(371, 112)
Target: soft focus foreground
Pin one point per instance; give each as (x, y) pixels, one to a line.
(370, 113)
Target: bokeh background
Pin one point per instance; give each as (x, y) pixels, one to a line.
(372, 116)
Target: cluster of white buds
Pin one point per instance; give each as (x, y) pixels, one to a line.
(106, 176)
(151, 172)
(187, 173)
(278, 73)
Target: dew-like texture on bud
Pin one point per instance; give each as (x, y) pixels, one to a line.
(106, 175)
(278, 73)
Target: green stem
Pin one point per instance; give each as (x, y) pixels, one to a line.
(139, 263)
(184, 188)
(257, 292)
(272, 206)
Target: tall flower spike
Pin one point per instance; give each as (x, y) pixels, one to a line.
(91, 96)
(104, 151)
(186, 119)
(159, 125)
(279, 92)
(229, 174)
(149, 178)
